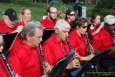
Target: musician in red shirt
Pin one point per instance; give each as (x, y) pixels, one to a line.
(108, 63)
(49, 21)
(79, 43)
(3, 69)
(25, 60)
(71, 17)
(7, 24)
(25, 16)
(98, 40)
(56, 46)
(4, 72)
(102, 40)
(78, 39)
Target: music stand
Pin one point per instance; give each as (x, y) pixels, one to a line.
(61, 65)
(47, 33)
(93, 61)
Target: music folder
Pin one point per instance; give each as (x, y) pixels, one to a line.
(61, 65)
(9, 39)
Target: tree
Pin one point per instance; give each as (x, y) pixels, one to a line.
(104, 7)
(5, 0)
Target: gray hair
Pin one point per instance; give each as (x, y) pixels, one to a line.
(62, 24)
(29, 29)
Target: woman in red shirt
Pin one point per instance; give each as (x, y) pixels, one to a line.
(98, 39)
(78, 40)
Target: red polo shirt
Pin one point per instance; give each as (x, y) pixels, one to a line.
(102, 40)
(78, 43)
(3, 69)
(5, 28)
(25, 61)
(54, 49)
(17, 40)
(47, 22)
(18, 23)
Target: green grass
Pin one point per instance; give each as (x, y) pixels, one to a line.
(39, 9)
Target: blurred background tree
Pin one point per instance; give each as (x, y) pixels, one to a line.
(39, 7)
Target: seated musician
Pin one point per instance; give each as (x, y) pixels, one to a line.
(3, 68)
(25, 59)
(79, 42)
(56, 47)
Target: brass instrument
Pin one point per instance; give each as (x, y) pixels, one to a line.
(90, 48)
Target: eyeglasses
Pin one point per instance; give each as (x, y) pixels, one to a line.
(53, 12)
(84, 27)
(71, 14)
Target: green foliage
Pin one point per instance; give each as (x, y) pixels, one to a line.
(90, 8)
(39, 9)
(104, 7)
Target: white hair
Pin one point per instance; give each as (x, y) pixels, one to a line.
(62, 24)
(109, 19)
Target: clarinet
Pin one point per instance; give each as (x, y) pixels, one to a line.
(12, 74)
(71, 48)
(43, 60)
(90, 48)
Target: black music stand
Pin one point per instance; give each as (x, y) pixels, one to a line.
(93, 62)
(47, 33)
(61, 65)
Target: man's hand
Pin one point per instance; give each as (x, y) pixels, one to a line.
(73, 64)
(1, 43)
(19, 29)
(48, 67)
(86, 58)
(44, 76)
(17, 75)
